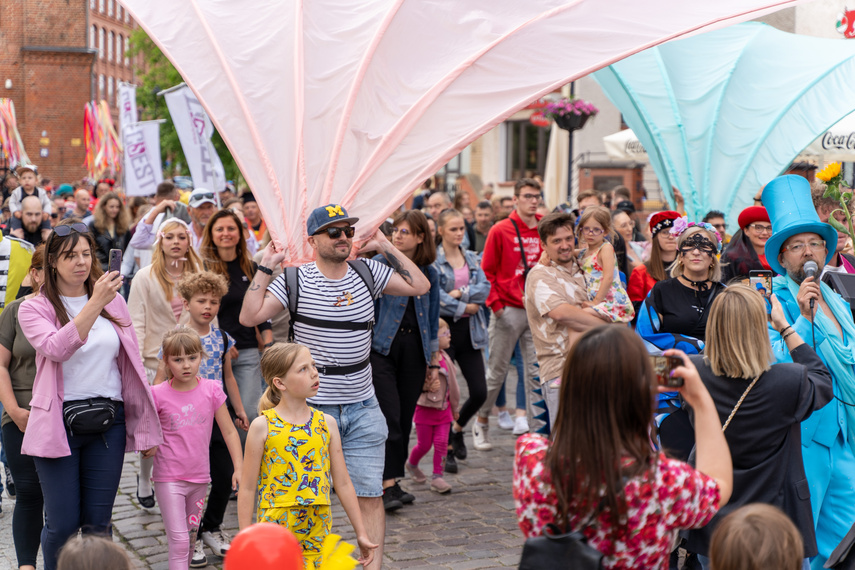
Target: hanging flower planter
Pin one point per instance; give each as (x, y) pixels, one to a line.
(570, 114)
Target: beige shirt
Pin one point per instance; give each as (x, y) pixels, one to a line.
(546, 288)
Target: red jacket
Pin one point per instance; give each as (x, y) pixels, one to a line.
(502, 262)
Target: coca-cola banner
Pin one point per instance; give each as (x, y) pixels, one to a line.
(837, 143)
(624, 145)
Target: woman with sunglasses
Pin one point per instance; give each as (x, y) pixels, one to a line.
(17, 372)
(110, 227)
(156, 307)
(463, 290)
(224, 251)
(404, 346)
(746, 251)
(87, 356)
(675, 314)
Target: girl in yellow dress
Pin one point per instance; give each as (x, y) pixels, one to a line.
(294, 452)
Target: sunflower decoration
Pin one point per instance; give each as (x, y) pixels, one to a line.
(838, 188)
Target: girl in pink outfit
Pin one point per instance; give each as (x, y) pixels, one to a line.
(187, 405)
(435, 410)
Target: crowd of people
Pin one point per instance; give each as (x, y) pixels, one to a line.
(219, 366)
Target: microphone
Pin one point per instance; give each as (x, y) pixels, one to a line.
(811, 268)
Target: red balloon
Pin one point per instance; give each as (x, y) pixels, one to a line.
(263, 546)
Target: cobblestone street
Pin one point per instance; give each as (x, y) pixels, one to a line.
(473, 527)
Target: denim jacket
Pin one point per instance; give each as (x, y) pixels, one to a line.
(476, 293)
(389, 309)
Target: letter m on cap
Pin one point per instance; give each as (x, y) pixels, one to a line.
(334, 211)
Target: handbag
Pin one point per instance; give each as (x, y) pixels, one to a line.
(739, 403)
(556, 550)
(90, 416)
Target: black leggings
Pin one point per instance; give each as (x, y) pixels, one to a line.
(222, 470)
(398, 381)
(28, 519)
(471, 362)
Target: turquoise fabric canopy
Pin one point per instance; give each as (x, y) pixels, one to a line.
(723, 113)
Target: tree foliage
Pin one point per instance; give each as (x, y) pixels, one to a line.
(154, 74)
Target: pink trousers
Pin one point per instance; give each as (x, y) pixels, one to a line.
(181, 507)
(427, 435)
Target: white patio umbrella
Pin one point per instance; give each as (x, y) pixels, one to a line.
(624, 145)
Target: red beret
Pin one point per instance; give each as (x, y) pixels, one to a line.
(662, 220)
(753, 214)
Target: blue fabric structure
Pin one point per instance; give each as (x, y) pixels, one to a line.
(723, 113)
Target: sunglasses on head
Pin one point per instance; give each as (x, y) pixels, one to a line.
(335, 233)
(63, 231)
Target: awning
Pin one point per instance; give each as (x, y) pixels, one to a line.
(624, 145)
(835, 144)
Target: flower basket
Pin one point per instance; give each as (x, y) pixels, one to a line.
(570, 114)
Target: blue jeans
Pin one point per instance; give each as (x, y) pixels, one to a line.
(363, 433)
(517, 361)
(247, 371)
(80, 489)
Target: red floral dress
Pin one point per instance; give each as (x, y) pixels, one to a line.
(674, 497)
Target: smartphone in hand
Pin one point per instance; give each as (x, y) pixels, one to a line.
(662, 367)
(115, 262)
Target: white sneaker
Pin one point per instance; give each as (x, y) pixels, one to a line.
(217, 541)
(199, 559)
(505, 421)
(480, 436)
(520, 425)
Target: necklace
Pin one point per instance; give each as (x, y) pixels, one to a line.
(701, 285)
(172, 274)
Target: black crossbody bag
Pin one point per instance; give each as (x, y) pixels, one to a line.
(554, 550)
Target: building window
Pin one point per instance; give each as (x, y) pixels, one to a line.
(91, 4)
(119, 15)
(127, 46)
(110, 7)
(526, 149)
(100, 86)
(110, 45)
(101, 42)
(101, 6)
(119, 45)
(127, 17)
(110, 90)
(93, 33)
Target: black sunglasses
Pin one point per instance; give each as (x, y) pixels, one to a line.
(335, 233)
(65, 230)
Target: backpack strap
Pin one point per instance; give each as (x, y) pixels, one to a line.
(364, 272)
(292, 286)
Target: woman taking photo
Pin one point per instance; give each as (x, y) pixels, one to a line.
(86, 356)
(224, 251)
(624, 226)
(156, 307)
(663, 252)
(746, 251)
(598, 473)
(463, 290)
(17, 372)
(404, 345)
(763, 433)
(110, 227)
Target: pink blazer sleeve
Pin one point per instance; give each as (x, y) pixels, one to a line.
(38, 321)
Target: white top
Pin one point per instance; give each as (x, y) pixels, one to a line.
(93, 371)
(831, 269)
(345, 299)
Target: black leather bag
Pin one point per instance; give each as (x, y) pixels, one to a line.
(91, 416)
(554, 550)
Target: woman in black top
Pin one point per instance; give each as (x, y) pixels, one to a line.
(764, 431)
(110, 227)
(224, 251)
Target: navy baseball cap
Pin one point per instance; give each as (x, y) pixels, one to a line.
(326, 215)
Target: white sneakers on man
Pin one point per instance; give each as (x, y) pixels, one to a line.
(505, 420)
(480, 437)
(520, 425)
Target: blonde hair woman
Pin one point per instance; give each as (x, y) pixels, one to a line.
(761, 406)
(156, 307)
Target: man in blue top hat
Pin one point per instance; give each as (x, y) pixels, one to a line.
(816, 313)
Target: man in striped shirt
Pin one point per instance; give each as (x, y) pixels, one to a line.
(334, 316)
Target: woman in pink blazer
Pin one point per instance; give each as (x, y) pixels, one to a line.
(86, 350)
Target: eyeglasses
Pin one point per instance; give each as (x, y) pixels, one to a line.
(54, 216)
(721, 227)
(761, 229)
(798, 248)
(402, 231)
(592, 231)
(335, 233)
(530, 196)
(199, 197)
(444, 334)
(65, 230)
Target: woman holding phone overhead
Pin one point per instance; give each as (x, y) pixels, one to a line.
(87, 360)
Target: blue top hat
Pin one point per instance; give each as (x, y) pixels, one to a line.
(788, 201)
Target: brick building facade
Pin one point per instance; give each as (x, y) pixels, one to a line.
(56, 56)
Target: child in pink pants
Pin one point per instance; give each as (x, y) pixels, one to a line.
(435, 410)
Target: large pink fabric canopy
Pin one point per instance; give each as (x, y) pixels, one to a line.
(358, 101)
